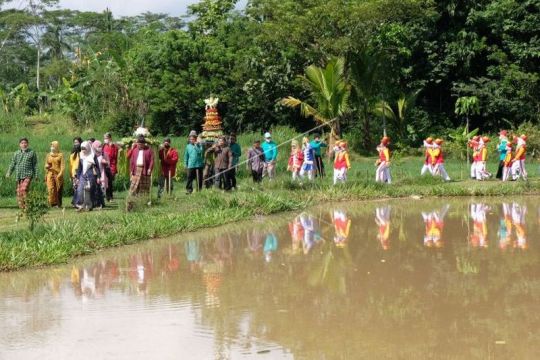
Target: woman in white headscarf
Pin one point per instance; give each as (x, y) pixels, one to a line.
(88, 176)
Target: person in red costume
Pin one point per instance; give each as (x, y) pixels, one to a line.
(474, 144)
(481, 169)
(382, 173)
(428, 145)
(437, 160)
(518, 167)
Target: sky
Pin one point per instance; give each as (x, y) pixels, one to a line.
(130, 7)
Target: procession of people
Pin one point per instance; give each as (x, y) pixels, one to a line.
(93, 165)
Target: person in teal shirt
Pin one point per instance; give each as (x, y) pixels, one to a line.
(270, 150)
(317, 145)
(194, 163)
(236, 151)
(503, 141)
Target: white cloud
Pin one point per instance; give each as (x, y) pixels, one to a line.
(130, 7)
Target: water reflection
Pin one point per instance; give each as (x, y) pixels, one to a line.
(434, 225)
(480, 230)
(259, 288)
(382, 218)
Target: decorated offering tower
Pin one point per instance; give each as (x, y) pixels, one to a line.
(212, 127)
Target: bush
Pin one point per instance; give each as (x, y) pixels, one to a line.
(533, 142)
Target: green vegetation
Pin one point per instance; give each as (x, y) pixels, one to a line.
(96, 71)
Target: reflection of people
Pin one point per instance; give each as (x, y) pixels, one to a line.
(478, 215)
(434, 225)
(309, 224)
(518, 218)
(342, 227)
(270, 246)
(141, 268)
(505, 227)
(297, 234)
(382, 173)
(382, 218)
(193, 254)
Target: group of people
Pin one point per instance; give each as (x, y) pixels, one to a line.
(92, 169)
(512, 155)
(93, 165)
(306, 161)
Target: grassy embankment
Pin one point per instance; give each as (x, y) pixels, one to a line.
(66, 234)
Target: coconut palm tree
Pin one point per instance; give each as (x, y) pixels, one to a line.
(329, 99)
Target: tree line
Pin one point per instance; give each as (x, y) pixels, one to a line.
(405, 62)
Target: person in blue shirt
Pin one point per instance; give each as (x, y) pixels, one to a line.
(503, 140)
(317, 145)
(270, 151)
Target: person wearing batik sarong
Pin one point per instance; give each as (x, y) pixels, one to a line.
(24, 165)
(88, 177)
(141, 164)
(54, 174)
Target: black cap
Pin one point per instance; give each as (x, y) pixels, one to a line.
(167, 140)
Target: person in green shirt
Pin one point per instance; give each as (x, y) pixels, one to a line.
(236, 151)
(24, 165)
(194, 163)
(317, 145)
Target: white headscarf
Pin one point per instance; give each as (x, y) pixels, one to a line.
(87, 156)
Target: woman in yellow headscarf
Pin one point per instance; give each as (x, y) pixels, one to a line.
(54, 170)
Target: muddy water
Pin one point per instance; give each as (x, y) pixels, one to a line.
(410, 279)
